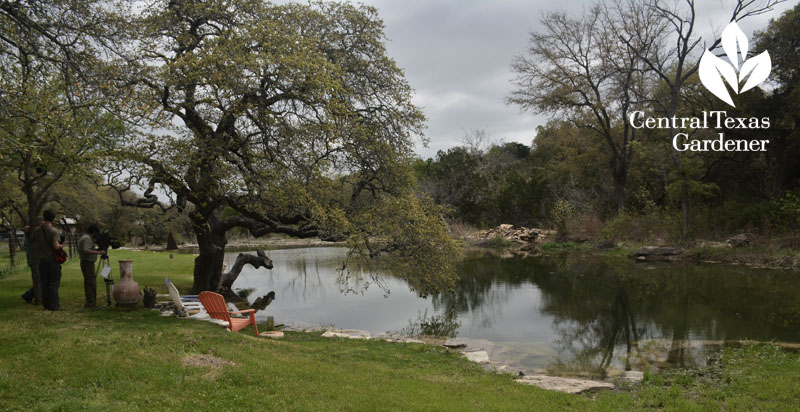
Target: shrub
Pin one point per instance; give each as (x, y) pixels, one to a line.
(555, 246)
(499, 242)
(562, 212)
(786, 214)
(588, 225)
(461, 229)
(644, 227)
(779, 216)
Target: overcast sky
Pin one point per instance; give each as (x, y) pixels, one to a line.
(457, 56)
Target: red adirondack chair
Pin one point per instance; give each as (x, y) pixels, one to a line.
(216, 308)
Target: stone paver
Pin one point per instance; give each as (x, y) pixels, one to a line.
(568, 385)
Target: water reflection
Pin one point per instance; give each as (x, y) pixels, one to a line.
(262, 302)
(573, 314)
(443, 326)
(310, 291)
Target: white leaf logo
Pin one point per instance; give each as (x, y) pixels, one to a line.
(757, 68)
(733, 40)
(713, 69)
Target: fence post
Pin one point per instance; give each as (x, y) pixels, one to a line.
(12, 238)
(69, 236)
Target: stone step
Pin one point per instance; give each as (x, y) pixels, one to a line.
(568, 385)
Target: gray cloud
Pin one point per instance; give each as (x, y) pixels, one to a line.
(457, 56)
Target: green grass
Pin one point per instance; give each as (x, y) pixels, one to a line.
(118, 359)
(616, 251)
(753, 378)
(5, 260)
(499, 242)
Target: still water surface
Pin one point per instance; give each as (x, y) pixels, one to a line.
(565, 313)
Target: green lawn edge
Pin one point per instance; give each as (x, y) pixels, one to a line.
(131, 360)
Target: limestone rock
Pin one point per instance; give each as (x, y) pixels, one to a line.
(656, 252)
(789, 262)
(450, 344)
(273, 334)
(632, 376)
(740, 240)
(710, 244)
(347, 333)
(478, 356)
(568, 385)
(219, 322)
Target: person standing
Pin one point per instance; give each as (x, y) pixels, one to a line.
(45, 240)
(88, 254)
(34, 294)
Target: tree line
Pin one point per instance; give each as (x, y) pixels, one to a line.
(591, 73)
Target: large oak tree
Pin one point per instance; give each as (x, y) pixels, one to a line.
(290, 116)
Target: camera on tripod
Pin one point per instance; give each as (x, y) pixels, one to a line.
(104, 241)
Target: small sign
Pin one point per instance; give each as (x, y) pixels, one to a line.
(105, 272)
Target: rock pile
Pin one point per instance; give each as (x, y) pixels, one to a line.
(521, 235)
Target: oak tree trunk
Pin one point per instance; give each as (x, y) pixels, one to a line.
(208, 264)
(259, 260)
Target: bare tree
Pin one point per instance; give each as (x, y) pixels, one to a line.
(578, 68)
(675, 57)
(477, 141)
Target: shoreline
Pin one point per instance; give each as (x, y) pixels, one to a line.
(758, 252)
(756, 256)
(238, 245)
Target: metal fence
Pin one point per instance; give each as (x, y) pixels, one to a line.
(12, 255)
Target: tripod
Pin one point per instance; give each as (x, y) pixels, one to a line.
(103, 262)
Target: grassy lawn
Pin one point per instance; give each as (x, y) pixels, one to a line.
(117, 359)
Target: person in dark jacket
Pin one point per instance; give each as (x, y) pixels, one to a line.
(45, 239)
(34, 294)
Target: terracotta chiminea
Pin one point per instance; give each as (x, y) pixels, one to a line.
(126, 292)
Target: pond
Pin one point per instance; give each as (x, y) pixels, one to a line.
(567, 314)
